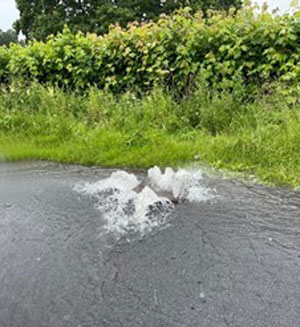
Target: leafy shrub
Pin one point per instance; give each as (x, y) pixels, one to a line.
(256, 47)
(4, 59)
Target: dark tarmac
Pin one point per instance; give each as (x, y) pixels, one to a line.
(233, 261)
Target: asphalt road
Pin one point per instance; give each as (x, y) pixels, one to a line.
(231, 261)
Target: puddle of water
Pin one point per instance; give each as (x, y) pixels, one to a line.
(130, 204)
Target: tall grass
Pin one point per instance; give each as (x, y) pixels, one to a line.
(226, 129)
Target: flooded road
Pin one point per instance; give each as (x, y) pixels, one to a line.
(233, 260)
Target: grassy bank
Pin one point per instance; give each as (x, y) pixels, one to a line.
(225, 130)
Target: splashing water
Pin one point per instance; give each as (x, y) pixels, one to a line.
(181, 185)
(128, 204)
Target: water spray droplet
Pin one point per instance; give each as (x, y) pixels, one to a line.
(128, 204)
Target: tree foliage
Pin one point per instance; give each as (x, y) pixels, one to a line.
(40, 18)
(8, 37)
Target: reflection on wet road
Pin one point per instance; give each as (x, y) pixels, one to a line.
(231, 261)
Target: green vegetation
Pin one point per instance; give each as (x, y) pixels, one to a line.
(8, 37)
(261, 137)
(258, 48)
(40, 18)
(221, 90)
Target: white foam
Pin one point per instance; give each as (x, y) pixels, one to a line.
(182, 185)
(118, 180)
(144, 200)
(125, 209)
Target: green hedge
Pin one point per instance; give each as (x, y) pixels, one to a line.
(257, 47)
(4, 60)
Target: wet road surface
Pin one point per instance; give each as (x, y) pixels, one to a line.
(231, 261)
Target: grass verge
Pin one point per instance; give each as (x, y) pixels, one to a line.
(261, 137)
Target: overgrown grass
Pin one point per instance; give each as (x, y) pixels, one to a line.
(223, 129)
